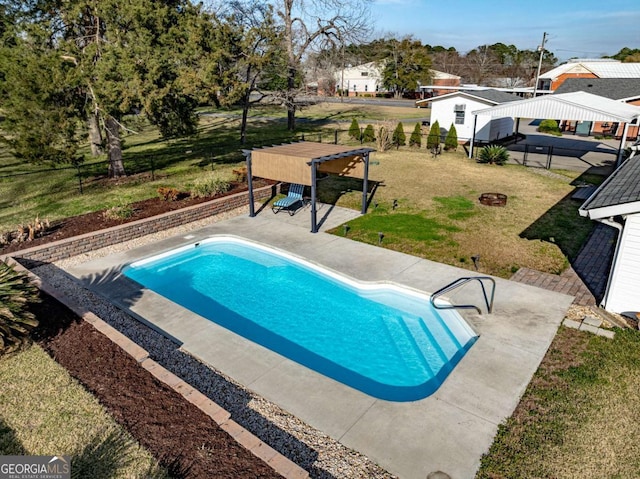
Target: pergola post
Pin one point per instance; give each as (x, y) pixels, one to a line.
(252, 211)
(365, 183)
(314, 225)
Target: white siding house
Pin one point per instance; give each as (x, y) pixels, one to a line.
(360, 79)
(624, 283)
(617, 203)
(455, 108)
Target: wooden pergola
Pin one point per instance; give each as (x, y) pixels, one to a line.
(301, 162)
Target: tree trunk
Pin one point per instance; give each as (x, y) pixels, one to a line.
(114, 145)
(245, 114)
(291, 100)
(95, 135)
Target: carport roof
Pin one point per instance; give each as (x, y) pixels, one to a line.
(567, 106)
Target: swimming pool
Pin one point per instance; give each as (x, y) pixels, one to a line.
(381, 339)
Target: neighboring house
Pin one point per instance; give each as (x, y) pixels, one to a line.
(367, 79)
(441, 84)
(360, 79)
(617, 203)
(455, 108)
(587, 68)
(626, 90)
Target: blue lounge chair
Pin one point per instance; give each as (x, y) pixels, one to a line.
(292, 199)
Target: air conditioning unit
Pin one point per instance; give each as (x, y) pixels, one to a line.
(459, 107)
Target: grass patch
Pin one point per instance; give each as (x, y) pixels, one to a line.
(578, 416)
(539, 227)
(63, 418)
(399, 227)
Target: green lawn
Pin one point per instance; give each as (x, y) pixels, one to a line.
(578, 416)
(438, 215)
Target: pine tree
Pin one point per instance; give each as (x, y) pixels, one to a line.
(354, 130)
(416, 137)
(108, 59)
(433, 140)
(451, 141)
(399, 138)
(369, 134)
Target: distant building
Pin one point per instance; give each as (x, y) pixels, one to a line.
(360, 79)
(587, 68)
(455, 108)
(626, 90)
(366, 79)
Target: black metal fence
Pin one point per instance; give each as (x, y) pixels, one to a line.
(150, 167)
(560, 157)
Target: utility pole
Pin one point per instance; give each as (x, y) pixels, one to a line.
(541, 48)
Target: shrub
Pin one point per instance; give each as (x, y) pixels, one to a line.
(27, 232)
(493, 154)
(399, 138)
(354, 130)
(383, 138)
(451, 141)
(119, 212)
(168, 194)
(549, 126)
(211, 186)
(433, 140)
(416, 136)
(369, 135)
(16, 292)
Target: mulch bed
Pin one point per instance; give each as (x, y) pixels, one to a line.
(183, 439)
(89, 222)
(180, 436)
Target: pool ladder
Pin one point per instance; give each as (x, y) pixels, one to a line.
(461, 282)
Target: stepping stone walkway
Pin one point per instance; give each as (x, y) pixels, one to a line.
(590, 324)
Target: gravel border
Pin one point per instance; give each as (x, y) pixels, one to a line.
(314, 451)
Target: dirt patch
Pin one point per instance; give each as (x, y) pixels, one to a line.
(181, 437)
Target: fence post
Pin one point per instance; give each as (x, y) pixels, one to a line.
(361, 136)
(549, 155)
(153, 169)
(335, 137)
(526, 153)
(79, 177)
(320, 138)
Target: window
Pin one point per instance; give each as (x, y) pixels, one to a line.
(459, 111)
(364, 74)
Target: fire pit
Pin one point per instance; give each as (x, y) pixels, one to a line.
(493, 199)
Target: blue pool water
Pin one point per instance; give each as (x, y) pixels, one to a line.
(383, 340)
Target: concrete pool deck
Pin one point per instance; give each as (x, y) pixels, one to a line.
(447, 431)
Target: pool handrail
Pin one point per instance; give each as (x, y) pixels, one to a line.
(460, 282)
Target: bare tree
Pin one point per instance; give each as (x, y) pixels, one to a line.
(310, 24)
(480, 64)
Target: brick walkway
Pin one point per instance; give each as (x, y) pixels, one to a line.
(586, 278)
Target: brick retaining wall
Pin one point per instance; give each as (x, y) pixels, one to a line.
(69, 247)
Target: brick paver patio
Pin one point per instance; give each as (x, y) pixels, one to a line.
(586, 278)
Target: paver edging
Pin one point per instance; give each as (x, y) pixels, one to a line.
(279, 463)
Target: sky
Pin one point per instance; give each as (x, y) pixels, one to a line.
(582, 29)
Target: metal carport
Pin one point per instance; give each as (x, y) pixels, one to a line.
(575, 106)
(301, 162)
